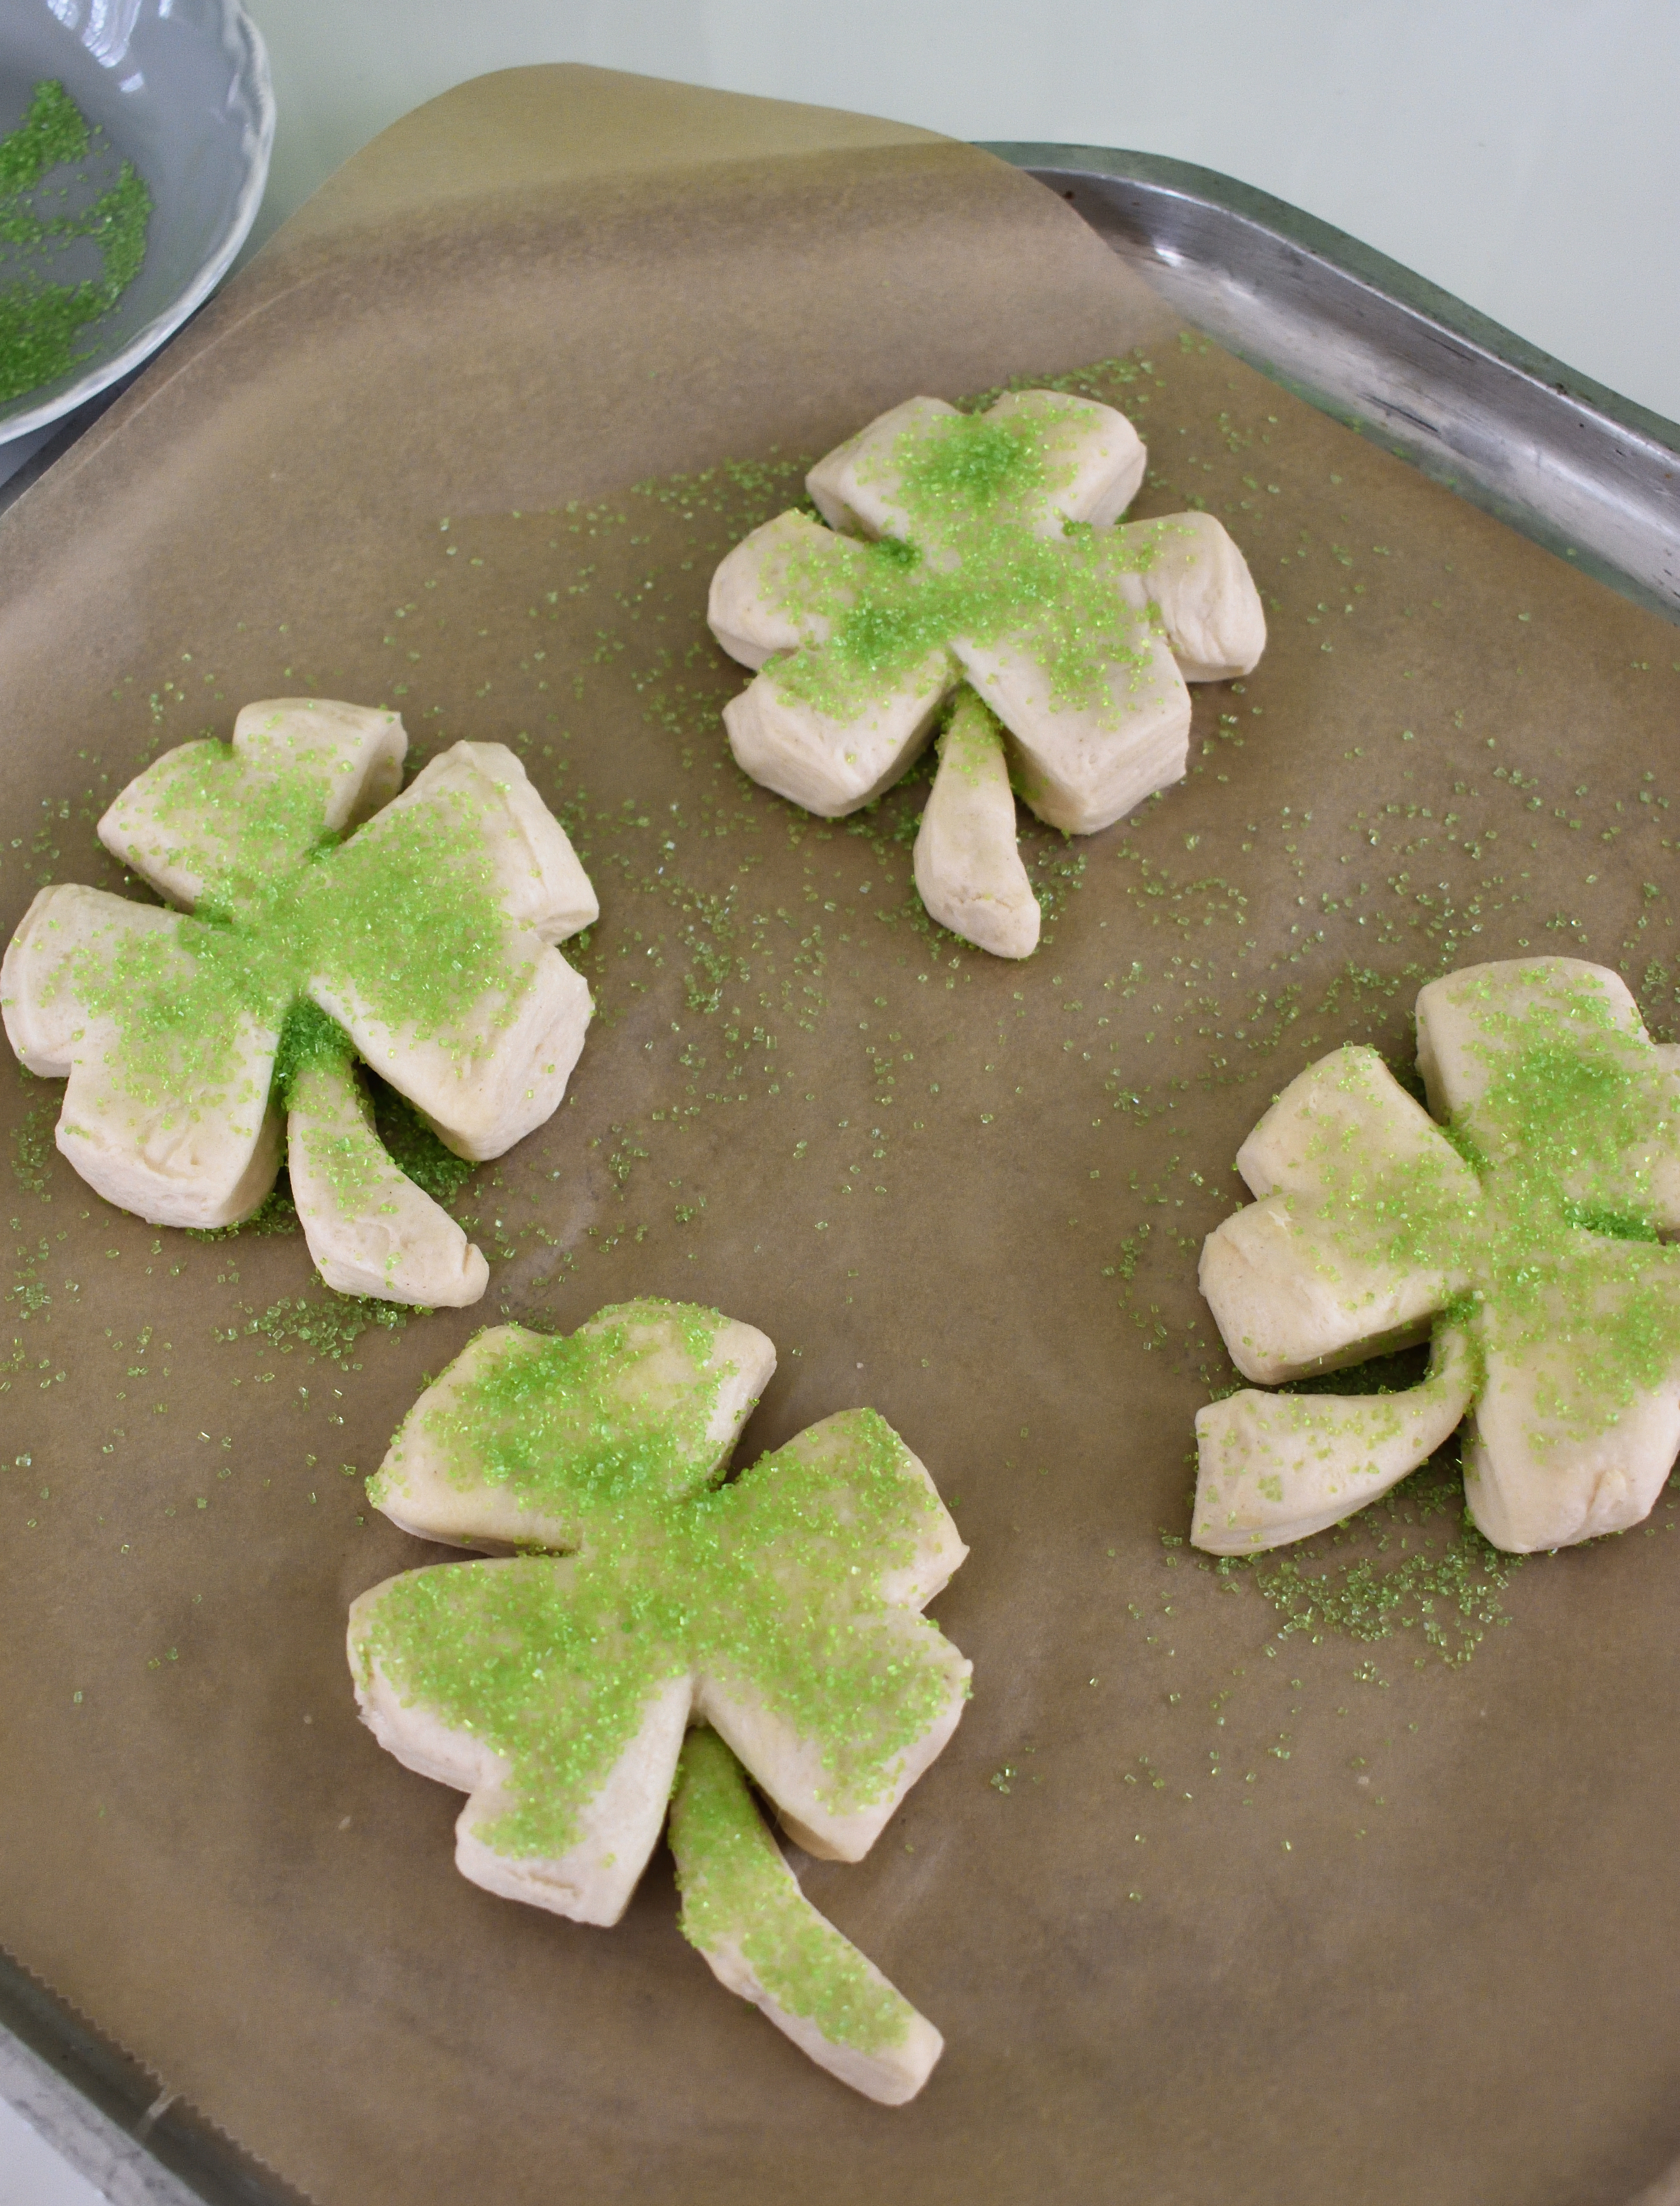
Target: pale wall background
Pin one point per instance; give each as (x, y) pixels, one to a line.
(1523, 153)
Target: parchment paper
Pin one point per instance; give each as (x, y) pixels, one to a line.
(1207, 1913)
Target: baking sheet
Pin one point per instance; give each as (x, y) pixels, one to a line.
(547, 289)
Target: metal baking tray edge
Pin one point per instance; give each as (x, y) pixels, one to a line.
(1577, 467)
(111, 2118)
(1588, 474)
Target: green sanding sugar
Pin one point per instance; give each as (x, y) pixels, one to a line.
(32, 1148)
(1418, 1564)
(329, 1326)
(771, 1586)
(308, 1036)
(971, 566)
(739, 1897)
(415, 1149)
(41, 318)
(53, 132)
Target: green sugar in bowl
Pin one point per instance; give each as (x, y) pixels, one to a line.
(110, 239)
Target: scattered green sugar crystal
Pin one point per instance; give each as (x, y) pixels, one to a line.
(330, 1328)
(415, 1149)
(739, 1897)
(309, 1036)
(1447, 1585)
(32, 1148)
(42, 319)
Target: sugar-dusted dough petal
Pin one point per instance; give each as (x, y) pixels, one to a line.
(1564, 1446)
(1093, 459)
(594, 1880)
(1094, 456)
(494, 1076)
(617, 1826)
(1199, 585)
(361, 748)
(352, 756)
(743, 1911)
(1546, 1026)
(794, 1767)
(1469, 1021)
(498, 1479)
(746, 608)
(1273, 1468)
(489, 1076)
(202, 1160)
(1081, 768)
(539, 880)
(969, 870)
(821, 1460)
(182, 1135)
(369, 1230)
(854, 486)
(42, 1012)
(1293, 1293)
(1337, 1261)
(1346, 1129)
(835, 767)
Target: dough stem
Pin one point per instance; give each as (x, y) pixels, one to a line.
(762, 1938)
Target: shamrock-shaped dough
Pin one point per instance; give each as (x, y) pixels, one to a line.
(980, 552)
(331, 918)
(637, 1596)
(1526, 1236)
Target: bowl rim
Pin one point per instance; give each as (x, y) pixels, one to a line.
(255, 72)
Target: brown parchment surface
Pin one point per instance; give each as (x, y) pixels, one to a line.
(1205, 1915)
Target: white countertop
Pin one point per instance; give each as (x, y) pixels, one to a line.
(31, 2172)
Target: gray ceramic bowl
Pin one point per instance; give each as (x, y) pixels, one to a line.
(182, 88)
